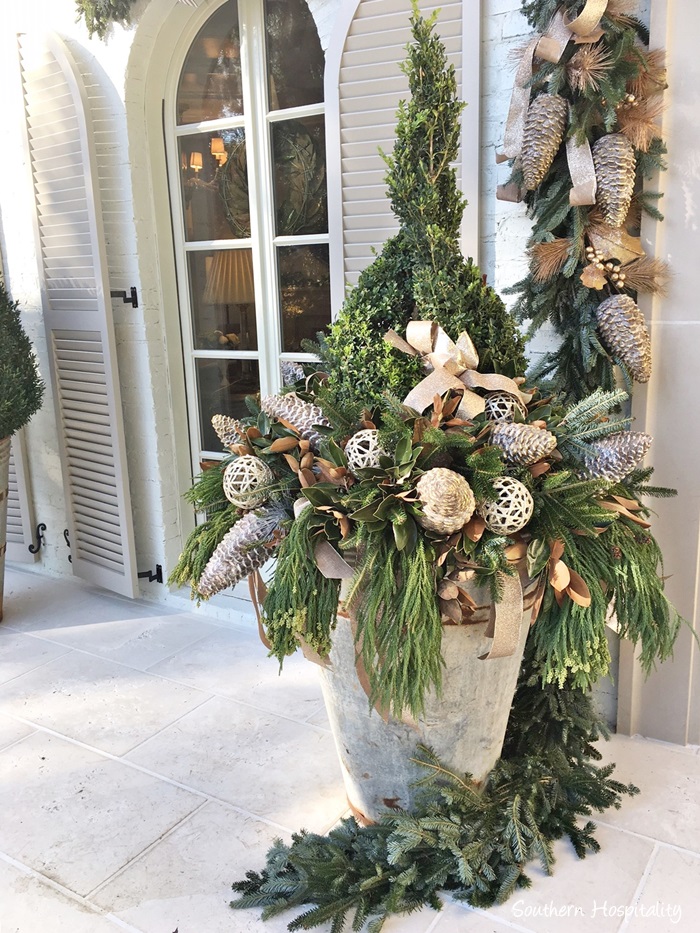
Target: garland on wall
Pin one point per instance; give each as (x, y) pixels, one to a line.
(583, 133)
(432, 480)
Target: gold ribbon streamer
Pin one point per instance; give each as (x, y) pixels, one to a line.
(506, 620)
(452, 366)
(582, 171)
(550, 47)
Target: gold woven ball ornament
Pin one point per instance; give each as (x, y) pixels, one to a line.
(624, 332)
(615, 169)
(512, 508)
(447, 500)
(363, 450)
(502, 406)
(542, 137)
(246, 480)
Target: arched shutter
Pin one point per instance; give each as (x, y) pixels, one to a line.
(20, 514)
(77, 315)
(364, 84)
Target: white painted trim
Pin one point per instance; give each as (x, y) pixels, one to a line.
(471, 127)
(334, 175)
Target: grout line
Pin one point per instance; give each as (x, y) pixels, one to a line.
(161, 777)
(12, 745)
(160, 731)
(120, 923)
(61, 889)
(435, 921)
(502, 920)
(39, 666)
(640, 887)
(661, 842)
(144, 852)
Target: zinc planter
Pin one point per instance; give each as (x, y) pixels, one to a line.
(4, 491)
(465, 725)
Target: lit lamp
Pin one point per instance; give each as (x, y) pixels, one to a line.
(218, 150)
(230, 282)
(196, 161)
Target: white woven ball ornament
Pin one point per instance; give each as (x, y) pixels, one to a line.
(501, 406)
(245, 482)
(511, 510)
(363, 450)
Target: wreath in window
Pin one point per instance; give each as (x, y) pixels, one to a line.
(300, 177)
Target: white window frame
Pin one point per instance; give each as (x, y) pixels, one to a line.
(262, 242)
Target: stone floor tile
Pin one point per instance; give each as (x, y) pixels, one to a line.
(235, 664)
(573, 897)
(21, 653)
(320, 718)
(668, 807)
(669, 902)
(139, 642)
(106, 705)
(457, 918)
(11, 731)
(27, 905)
(286, 771)
(77, 817)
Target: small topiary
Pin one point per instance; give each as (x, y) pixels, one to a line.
(21, 387)
(421, 272)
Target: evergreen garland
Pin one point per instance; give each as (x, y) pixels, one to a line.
(100, 14)
(612, 86)
(474, 844)
(21, 387)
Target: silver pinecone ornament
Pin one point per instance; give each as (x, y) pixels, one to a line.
(617, 455)
(241, 551)
(522, 443)
(228, 430)
(624, 332)
(542, 137)
(303, 416)
(291, 372)
(615, 169)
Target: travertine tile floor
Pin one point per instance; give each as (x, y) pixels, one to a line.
(149, 756)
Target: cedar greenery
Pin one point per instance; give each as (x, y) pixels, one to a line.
(474, 844)
(21, 387)
(420, 273)
(100, 14)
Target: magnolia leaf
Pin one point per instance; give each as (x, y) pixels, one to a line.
(451, 609)
(252, 433)
(537, 556)
(283, 444)
(474, 528)
(578, 590)
(615, 243)
(539, 469)
(404, 450)
(557, 549)
(592, 277)
(292, 462)
(317, 496)
(448, 590)
(516, 551)
(307, 478)
(559, 576)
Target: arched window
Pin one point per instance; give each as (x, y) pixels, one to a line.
(250, 217)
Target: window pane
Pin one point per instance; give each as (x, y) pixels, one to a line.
(304, 294)
(223, 386)
(214, 177)
(210, 83)
(294, 55)
(299, 156)
(222, 299)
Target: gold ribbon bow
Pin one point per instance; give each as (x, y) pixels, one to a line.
(451, 365)
(550, 47)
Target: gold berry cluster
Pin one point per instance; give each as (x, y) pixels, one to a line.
(612, 269)
(628, 102)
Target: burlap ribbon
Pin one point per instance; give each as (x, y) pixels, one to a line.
(550, 47)
(451, 365)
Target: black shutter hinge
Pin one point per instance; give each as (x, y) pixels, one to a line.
(156, 577)
(40, 539)
(130, 299)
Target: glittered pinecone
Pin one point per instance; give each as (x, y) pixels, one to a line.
(303, 416)
(228, 430)
(447, 500)
(241, 551)
(522, 443)
(624, 332)
(291, 372)
(617, 455)
(615, 168)
(542, 137)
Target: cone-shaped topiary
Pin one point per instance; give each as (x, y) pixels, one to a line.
(420, 272)
(21, 388)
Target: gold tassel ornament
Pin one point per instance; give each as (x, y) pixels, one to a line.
(542, 137)
(615, 167)
(624, 332)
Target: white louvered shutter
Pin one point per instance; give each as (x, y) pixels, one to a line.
(364, 84)
(77, 315)
(20, 514)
